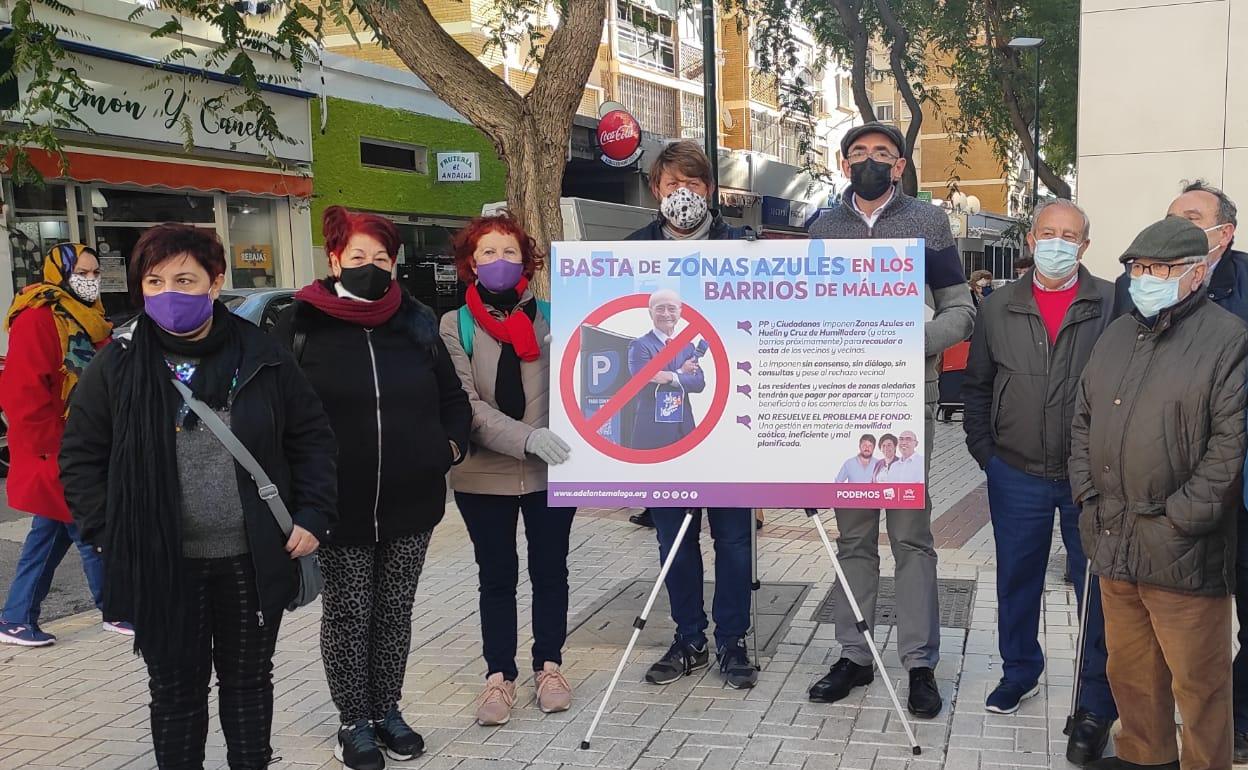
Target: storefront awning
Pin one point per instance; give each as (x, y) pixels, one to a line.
(147, 171)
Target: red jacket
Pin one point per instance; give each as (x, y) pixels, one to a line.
(30, 395)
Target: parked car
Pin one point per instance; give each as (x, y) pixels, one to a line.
(260, 306)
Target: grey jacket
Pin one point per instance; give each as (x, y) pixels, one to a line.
(1157, 448)
(497, 463)
(1019, 389)
(906, 217)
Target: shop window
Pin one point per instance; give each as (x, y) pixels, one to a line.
(253, 228)
(141, 207)
(40, 220)
(394, 156)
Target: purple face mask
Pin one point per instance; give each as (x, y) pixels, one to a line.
(178, 313)
(500, 275)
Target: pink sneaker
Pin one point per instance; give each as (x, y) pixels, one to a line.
(495, 705)
(553, 691)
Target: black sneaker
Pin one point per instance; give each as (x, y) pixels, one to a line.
(399, 741)
(357, 747)
(734, 663)
(844, 676)
(925, 701)
(643, 519)
(681, 660)
(1241, 748)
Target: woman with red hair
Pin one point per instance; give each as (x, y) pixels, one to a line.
(499, 342)
(373, 355)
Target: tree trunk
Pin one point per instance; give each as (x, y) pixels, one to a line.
(851, 21)
(896, 62)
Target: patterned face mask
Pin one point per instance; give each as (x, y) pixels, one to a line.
(684, 209)
(84, 288)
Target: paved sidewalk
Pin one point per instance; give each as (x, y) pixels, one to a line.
(82, 703)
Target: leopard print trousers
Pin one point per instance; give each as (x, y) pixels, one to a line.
(366, 622)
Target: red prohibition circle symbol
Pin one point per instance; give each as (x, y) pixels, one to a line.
(587, 427)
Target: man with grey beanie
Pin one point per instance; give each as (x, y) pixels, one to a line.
(873, 157)
(1157, 450)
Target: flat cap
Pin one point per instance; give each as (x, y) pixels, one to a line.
(1170, 240)
(874, 127)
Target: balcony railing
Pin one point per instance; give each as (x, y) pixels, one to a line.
(651, 51)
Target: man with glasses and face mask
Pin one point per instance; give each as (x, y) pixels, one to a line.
(1033, 337)
(873, 157)
(1157, 451)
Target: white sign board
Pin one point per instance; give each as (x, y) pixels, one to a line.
(459, 167)
(138, 102)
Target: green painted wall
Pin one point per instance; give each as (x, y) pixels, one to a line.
(338, 177)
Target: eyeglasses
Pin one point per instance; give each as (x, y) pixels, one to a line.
(1162, 270)
(861, 153)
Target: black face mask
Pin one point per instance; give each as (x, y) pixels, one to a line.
(366, 281)
(871, 178)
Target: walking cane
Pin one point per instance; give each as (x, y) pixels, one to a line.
(863, 627)
(754, 584)
(638, 624)
(1082, 640)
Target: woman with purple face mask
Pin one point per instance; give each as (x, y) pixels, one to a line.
(193, 556)
(500, 345)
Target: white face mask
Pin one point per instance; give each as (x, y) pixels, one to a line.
(684, 209)
(86, 289)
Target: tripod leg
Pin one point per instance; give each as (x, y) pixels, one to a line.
(638, 624)
(754, 586)
(1079, 645)
(862, 626)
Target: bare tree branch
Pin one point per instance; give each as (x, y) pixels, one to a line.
(569, 58)
(896, 59)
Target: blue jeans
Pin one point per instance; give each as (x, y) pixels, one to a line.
(730, 528)
(45, 546)
(1240, 667)
(1022, 525)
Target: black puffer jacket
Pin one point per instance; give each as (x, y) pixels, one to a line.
(397, 379)
(1019, 389)
(274, 413)
(1158, 445)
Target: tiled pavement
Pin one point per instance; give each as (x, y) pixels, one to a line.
(82, 702)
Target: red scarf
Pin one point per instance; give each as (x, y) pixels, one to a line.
(516, 329)
(367, 314)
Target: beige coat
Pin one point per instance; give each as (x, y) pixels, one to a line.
(497, 463)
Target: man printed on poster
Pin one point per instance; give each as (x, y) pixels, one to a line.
(860, 469)
(663, 414)
(909, 466)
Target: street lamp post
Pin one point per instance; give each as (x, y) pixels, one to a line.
(1023, 43)
(710, 101)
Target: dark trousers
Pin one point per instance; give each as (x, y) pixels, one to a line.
(492, 522)
(1240, 667)
(1022, 508)
(366, 622)
(1168, 649)
(730, 529)
(223, 613)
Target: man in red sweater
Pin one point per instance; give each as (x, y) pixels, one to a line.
(1032, 339)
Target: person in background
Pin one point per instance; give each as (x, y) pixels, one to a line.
(874, 206)
(1032, 340)
(55, 328)
(500, 345)
(1022, 265)
(193, 555)
(374, 356)
(681, 180)
(981, 286)
(1157, 450)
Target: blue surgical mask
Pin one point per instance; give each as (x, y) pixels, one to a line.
(1056, 258)
(1152, 295)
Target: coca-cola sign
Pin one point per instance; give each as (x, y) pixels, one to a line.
(619, 137)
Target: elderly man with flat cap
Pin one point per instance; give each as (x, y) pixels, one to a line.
(1157, 450)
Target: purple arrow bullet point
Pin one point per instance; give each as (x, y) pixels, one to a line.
(745, 326)
(745, 420)
(744, 390)
(744, 366)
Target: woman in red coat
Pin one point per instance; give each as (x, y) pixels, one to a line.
(55, 327)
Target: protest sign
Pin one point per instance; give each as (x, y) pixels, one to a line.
(734, 373)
